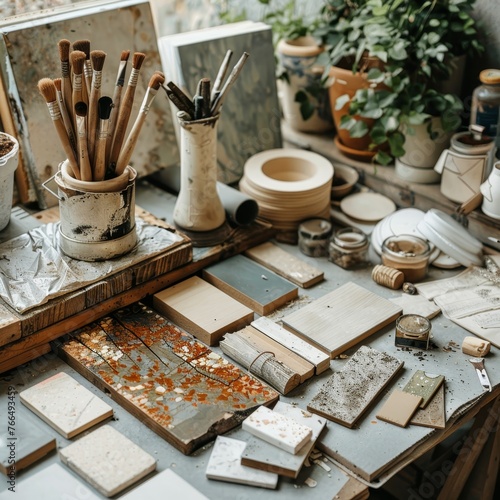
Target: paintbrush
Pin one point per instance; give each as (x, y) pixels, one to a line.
(67, 92)
(205, 95)
(126, 108)
(185, 102)
(104, 107)
(120, 81)
(49, 92)
(178, 103)
(221, 75)
(229, 83)
(155, 82)
(81, 130)
(97, 57)
(84, 46)
(64, 113)
(77, 58)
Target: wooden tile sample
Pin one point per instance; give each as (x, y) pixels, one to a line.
(424, 384)
(107, 460)
(285, 264)
(346, 394)
(281, 353)
(399, 407)
(417, 304)
(265, 456)
(342, 318)
(318, 358)
(252, 284)
(434, 414)
(277, 429)
(171, 382)
(31, 442)
(166, 481)
(40, 486)
(202, 309)
(225, 465)
(65, 404)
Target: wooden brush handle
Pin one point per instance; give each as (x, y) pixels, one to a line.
(100, 152)
(129, 145)
(113, 117)
(92, 119)
(85, 169)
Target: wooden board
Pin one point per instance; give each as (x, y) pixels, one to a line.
(31, 442)
(10, 326)
(225, 465)
(167, 379)
(108, 460)
(281, 354)
(265, 456)
(277, 429)
(318, 358)
(285, 264)
(346, 394)
(202, 309)
(342, 318)
(65, 404)
(40, 485)
(252, 284)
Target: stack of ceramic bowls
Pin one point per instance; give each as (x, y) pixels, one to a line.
(289, 185)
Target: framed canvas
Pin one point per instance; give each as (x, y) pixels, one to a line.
(29, 52)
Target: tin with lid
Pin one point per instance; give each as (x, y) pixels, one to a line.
(313, 237)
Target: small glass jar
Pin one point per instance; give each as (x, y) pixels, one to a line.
(313, 237)
(486, 102)
(408, 253)
(348, 247)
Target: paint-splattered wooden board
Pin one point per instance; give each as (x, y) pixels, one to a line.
(174, 384)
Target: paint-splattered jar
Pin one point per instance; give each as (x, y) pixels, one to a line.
(348, 248)
(313, 237)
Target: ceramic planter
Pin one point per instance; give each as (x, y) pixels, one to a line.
(8, 166)
(299, 59)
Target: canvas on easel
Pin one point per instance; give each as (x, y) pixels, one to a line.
(29, 52)
(250, 122)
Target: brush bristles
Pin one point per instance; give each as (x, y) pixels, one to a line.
(157, 80)
(58, 84)
(104, 106)
(82, 46)
(137, 60)
(125, 55)
(98, 57)
(81, 108)
(64, 46)
(48, 90)
(77, 61)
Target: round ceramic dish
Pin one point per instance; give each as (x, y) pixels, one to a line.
(370, 207)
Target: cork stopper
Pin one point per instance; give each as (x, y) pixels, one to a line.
(388, 276)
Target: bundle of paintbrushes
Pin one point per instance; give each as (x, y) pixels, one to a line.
(92, 127)
(207, 101)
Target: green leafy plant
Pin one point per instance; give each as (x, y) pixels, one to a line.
(413, 43)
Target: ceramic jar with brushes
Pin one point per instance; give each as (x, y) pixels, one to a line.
(96, 184)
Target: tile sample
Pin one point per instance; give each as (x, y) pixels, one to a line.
(399, 408)
(157, 487)
(40, 486)
(252, 284)
(277, 429)
(265, 456)
(318, 358)
(342, 318)
(434, 414)
(424, 384)
(31, 442)
(225, 465)
(417, 304)
(65, 404)
(108, 460)
(176, 385)
(202, 309)
(285, 264)
(346, 394)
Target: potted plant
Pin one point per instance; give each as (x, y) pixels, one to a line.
(396, 51)
(9, 148)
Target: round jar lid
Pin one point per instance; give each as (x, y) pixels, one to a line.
(490, 76)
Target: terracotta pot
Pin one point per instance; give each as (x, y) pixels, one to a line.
(299, 59)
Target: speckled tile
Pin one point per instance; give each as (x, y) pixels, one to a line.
(108, 460)
(65, 404)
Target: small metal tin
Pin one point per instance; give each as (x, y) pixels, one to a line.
(413, 330)
(314, 235)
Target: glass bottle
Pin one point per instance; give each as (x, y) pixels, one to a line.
(486, 102)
